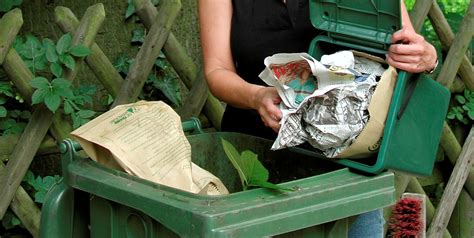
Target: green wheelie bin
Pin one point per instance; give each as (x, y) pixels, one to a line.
(94, 201)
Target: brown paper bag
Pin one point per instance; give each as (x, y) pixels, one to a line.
(368, 141)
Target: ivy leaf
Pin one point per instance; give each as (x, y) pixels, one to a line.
(169, 86)
(51, 54)
(138, 35)
(130, 9)
(64, 44)
(68, 61)
(52, 101)
(56, 69)
(80, 51)
(122, 63)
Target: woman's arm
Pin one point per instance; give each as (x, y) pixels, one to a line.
(215, 25)
(409, 51)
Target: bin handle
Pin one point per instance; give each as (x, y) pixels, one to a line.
(409, 93)
(192, 125)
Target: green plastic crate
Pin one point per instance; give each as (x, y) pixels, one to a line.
(419, 104)
(99, 202)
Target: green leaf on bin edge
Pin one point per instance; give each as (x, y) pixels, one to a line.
(250, 169)
(80, 51)
(234, 158)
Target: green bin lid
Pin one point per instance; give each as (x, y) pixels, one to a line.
(363, 22)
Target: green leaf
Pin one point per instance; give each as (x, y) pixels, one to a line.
(138, 35)
(67, 107)
(32, 48)
(17, 2)
(56, 69)
(62, 87)
(6, 88)
(6, 5)
(3, 111)
(85, 114)
(470, 114)
(40, 83)
(250, 169)
(80, 51)
(68, 61)
(122, 63)
(51, 54)
(38, 96)
(460, 99)
(64, 44)
(234, 158)
(130, 9)
(41, 62)
(169, 86)
(40, 197)
(52, 101)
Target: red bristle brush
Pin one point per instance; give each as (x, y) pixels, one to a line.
(407, 219)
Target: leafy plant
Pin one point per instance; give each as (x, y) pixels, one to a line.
(252, 173)
(161, 78)
(10, 220)
(50, 93)
(464, 109)
(40, 186)
(7, 5)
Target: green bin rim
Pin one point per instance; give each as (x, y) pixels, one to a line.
(371, 21)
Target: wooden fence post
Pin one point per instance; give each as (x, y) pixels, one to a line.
(453, 188)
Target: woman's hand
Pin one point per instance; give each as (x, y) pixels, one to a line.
(410, 52)
(266, 103)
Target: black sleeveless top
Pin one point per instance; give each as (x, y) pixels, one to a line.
(261, 28)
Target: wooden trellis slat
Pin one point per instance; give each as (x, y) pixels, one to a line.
(25, 209)
(453, 188)
(150, 50)
(97, 60)
(446, 37)
(14, 21)
(458, 48)
(186, 69)
(41, 120)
